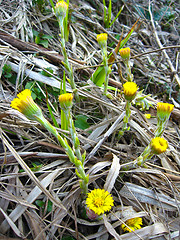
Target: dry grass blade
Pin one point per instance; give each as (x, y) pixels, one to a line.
(132, 191)
(111, 229)
(31, 174)
(13, 198)
(164, 51)
(113, 174)
(106, 135)
(33, 195)
(35, 223)
(11, 223)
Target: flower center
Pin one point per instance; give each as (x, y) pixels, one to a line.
(98, 202)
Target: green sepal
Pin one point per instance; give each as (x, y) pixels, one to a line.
(80, 184)
(142, 101)
(83, 157)
(76, 145)
(86, 180)
(77, 162)
(78, 174)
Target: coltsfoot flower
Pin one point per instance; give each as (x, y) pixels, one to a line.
(133, 224)
(130, 89)
(61, 9)
(102, 39)
(65, 100)
(147, 115)
(99, 201)
(158, 145)
(26, 105)
(125, 53)
(164, 110)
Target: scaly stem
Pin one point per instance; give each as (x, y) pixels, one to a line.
(106, 68)
(74, 136)
(78, 163)
(160, 127)
(66, 61)
(126, 118)
(128, 70)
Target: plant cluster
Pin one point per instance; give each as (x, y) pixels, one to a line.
(94, 202)
(98, 201)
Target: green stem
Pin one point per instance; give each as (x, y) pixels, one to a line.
(74, 136)
(126, 118)
(128, 71)
(144, 157)
(69, 152)
(63, 143)
(106, 68)
(66, 61)
(160, 127)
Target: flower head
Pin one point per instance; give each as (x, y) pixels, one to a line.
(102, 39)
(164, 110)
(61, 9)
(99, 201)
(125, 53)
(158, 145)
(133, 224)
(26, 105)
(65, 100)
(130, 89)
(147, 115)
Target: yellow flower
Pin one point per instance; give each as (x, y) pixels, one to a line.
(26, 105)
(133, 223)
(130, 89)
(99, 201)
(61, 9)
(66, 100)
(164, 110)
(125, 53)
(158, 145)
(147, 115)
(102, 39)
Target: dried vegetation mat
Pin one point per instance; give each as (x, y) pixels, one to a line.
(39, 190)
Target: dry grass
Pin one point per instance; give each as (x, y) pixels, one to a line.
(152, 191)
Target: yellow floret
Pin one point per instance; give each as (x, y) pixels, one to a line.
(130, 89)
(158, 145)
(99, 201)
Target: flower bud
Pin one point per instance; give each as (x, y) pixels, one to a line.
(125, 53)
(61, 9)
(164, 110)
(65, 100)
(102, 39)
(26, 105)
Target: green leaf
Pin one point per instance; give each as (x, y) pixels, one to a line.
(81, 122)
(46, 36)
(51, 113)
(40, 203)
(67, 238)
(98, 77)
(46, 73)
(45, 43)
(49, 206)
